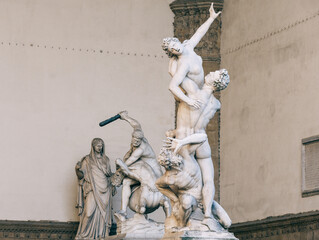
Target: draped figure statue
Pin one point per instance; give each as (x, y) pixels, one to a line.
(94, 193)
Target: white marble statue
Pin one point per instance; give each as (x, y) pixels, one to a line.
(197, 104)
(141, 170)
(182, 182)
(94, 194)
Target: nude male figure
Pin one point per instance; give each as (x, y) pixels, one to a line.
(182, 181)
(140, 151)
(187, 73)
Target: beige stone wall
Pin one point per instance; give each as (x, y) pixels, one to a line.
(271, 51)
(65, 66)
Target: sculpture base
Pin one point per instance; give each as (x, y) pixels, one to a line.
(188, 234)
(136, 236)
(137, 227)
(182, 235)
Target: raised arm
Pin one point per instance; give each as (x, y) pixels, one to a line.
(134, 123)
(202, 30)
(136, 154)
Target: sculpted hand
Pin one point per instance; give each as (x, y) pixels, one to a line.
(123, 114)
(173, 143)
(212, 12)
(195, 103)
(78, 165)
(78, 172)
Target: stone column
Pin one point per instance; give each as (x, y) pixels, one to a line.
(189, 15)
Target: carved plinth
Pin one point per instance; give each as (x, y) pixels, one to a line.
(183, 235)
(137, 227)
(136, 236)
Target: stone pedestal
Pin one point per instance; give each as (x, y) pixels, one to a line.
(136, 236)
(137, 227)
(183, 235)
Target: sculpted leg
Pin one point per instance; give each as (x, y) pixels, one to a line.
(126, 171)
(207, 168)
(221, 214)
(179, 213)
(126, 193)
(208, 191)
(188, 203)
(166, 207)
(90, 205)
(141, 206)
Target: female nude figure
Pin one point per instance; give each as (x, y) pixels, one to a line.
(187, 73)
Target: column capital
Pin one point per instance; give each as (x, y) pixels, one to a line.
(195, 5)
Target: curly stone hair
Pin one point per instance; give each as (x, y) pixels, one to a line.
(168, 159)
(165, 44)
(219, 84)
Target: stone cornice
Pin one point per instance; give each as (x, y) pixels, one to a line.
(38, 226)
(37, 229)
(273, 226)
(294, 226)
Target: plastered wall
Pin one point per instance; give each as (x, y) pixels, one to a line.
(65, 66)
(271, 51)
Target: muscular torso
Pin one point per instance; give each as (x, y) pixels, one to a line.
(186, 181)
(148, 156)
(191, 85)
(195, 68)
(148, 152)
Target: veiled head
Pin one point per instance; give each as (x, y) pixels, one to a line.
(98, 145)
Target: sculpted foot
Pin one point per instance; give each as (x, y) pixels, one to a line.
(213, 225)
(121, 215)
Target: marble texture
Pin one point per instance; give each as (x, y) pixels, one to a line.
(183, 235)
(138, 172)
(186, 155)
(94, 193)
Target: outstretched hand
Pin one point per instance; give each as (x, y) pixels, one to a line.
(212, 12)
(173, 143)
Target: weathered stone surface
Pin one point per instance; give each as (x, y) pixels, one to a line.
(183, 235)
(94, 193)
(136, 236)
(189, 15)
(290, 226)
(139, 225)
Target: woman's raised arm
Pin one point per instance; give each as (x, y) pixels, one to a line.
(202, 30)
